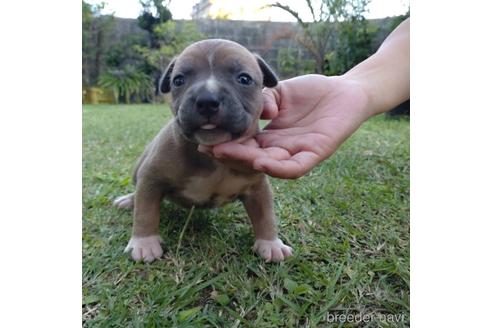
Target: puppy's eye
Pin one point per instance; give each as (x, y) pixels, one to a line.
(244, 78)
(178, 81)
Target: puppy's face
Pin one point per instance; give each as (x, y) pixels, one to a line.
(216, 89)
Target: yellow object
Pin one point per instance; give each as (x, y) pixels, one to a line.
(94, 96)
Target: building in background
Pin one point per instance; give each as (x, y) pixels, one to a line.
(201, 9)
(254, 10)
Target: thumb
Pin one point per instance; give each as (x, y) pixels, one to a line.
(271, 98)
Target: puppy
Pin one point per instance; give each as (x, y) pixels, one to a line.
(216, 87)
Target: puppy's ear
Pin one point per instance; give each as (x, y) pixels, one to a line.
(165, 81)
(269, 78)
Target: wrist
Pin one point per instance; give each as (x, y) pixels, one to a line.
(368, 107)
(385, 76)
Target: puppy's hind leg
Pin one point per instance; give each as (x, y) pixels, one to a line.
(124, 202)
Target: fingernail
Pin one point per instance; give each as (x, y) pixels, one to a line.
(258, 167)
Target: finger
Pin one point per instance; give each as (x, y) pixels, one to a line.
(237, 151)
(292, 168)
(297, 142)
(205, 149)
(293, 143)
(249, 153)
(270, 105)
(277, 153)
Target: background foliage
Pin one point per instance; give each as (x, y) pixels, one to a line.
(171, 40)
(337, 38)
(95, 29)
(132, 66)
(127, 83)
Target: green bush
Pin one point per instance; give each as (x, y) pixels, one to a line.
(127, 82)
(171, 38)
(95, 32)
(291, 63)
(354, 45)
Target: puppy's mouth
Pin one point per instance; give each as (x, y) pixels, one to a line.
(210, 134)
(208, 126)
(215, 129)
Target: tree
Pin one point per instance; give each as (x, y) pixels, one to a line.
(320, 37)
(171, 39)
(95, 28)
(154, 12)
(124, 53)
(354, 45)
(290, 63)
(397, 20)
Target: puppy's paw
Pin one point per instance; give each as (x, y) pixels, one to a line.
(145, 248)
(272, 250)
(124, 202)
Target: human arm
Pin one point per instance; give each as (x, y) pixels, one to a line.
(312, 115)
(385, 76)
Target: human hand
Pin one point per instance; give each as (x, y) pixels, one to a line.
(311, 116)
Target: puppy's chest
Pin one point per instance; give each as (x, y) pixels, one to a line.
(216, 189)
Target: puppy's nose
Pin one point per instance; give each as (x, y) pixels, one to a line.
(207, 104)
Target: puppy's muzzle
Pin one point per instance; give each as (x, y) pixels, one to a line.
(210, 114)
(207, 104)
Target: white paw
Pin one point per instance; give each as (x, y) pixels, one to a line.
(272, 250)
(124, 202)
(145, 248)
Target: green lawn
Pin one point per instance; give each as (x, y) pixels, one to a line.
(347, 221)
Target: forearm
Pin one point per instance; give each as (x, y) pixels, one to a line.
(385, 76)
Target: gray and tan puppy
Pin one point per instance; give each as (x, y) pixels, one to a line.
(216, 87)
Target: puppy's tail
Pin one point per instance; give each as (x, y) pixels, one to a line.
(124, 202)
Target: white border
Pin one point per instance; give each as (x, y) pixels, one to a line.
(451, 164)
(41, 136)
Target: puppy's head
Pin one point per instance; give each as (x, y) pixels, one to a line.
(216, 89)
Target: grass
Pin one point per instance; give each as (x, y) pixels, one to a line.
(348, 222)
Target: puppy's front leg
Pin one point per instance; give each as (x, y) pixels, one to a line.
(145, 241)
(259, 206)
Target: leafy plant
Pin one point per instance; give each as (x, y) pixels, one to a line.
(291, 62)
(354, 45)
(154, 12)
(172, 39)
(320, 37)
(123, 52)
(95, 29)
(127, 82)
